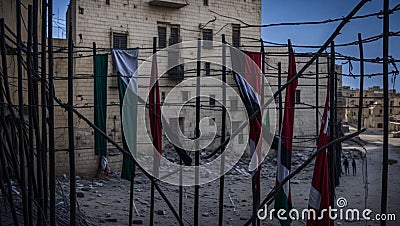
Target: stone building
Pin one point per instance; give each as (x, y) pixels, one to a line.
(129, 24)
(372, 114)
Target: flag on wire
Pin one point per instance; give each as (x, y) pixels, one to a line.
(283, 198)
(247, 75)
(319, 192)
(155, 112)
(126, 62)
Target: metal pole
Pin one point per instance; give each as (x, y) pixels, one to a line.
(223, 135)
(154, 155)
(197, 135)
(260, 138)
(35, 94)
(21, 117)
(30, 123)
(44, 109)
(280, 97)
(131, 202)
(331, 153)
(316, 97)
(360, 100)
(71, 137)
(52, 161)
(385, 108)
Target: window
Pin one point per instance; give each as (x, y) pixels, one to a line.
(185, 96)
(208, 36)
(120, 41)
(108, 2)
(174, 36)
(162, 37)
(162, 97)
(212, 100)
(81, 10)
(298, 96)
(205, 2)
(207, 68)
(211, 122)
(236, 35)
(234, 104)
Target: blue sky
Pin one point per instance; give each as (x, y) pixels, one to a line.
(274, 11)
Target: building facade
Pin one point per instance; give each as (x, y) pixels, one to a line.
(372, 114)
(130, 24)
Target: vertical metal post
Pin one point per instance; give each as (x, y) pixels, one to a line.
(154, 155)
(44, 113)
(260, 138)
(35, 100)
(30, 123)
(361, 97)
(316, 97)
(197, 136)
(280, 104)
(21, 116)
(52, 161)
(71, 137)
(385, 108)
(331, 153)
(223, 136)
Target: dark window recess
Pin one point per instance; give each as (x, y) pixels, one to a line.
(120, 41)
(207, 68)
(162, 97)
(205, 2)
(162, 37)
(298, 100)
(81, 10)
(177, 70)
(207, 35)
(234, 104)
(236, 35)
(108, 2)
(212, 100)
(211, 122)
(174, 37)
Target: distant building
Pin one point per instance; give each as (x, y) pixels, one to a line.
(372, 114)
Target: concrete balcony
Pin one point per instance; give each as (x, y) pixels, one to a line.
(176, 4)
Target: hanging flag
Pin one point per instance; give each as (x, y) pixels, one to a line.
(100, 103)
(248, 80)
(247, 75)
(155, 112)
(319, 192)
(126, 62)
(283, 198)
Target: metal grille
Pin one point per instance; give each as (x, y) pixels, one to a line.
(207, 35)
(236, 35)
(120, 41)
(174, 38)
(162, 37)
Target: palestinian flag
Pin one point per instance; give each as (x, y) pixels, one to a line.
(247, 75)
(155, 113)
(126, 62)
(283, 198)
(319, 192)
